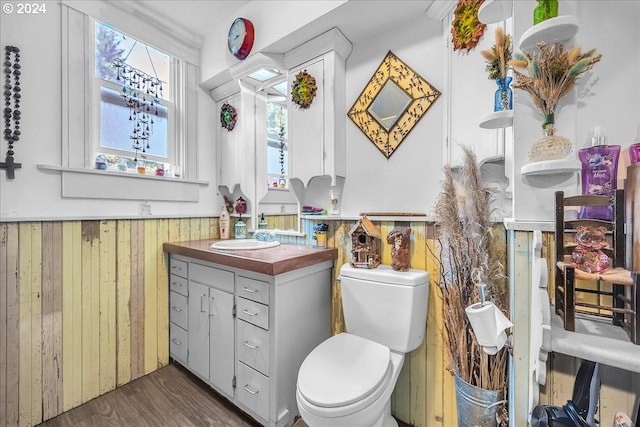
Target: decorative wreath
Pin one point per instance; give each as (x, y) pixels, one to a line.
(228, 116)
(466, 29)
(303, 89)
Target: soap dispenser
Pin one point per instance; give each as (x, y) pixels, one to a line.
(241, 229)
(599, 174)
(262, 224)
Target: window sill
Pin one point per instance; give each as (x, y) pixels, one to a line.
(101, 184)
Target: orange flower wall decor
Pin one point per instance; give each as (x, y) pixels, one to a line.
(466, 29)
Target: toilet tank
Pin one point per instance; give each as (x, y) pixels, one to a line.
(386, 306)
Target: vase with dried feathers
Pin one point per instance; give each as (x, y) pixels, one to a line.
(548, 73)
(468, 256)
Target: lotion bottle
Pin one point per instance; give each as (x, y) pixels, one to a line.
(599, 174)
(224, 223)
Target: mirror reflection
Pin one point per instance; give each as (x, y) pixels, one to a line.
(389, 105)
(277, 138)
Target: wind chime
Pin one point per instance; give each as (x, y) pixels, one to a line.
(141, 93)
(11, 115)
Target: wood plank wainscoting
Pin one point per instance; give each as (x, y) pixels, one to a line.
(83, 309)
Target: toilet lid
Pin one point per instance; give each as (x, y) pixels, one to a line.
(342, 370)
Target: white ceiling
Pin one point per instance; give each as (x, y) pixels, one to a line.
(194, 16)
(357, 19)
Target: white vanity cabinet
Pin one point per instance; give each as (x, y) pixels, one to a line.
(317, 134)
(249, 332)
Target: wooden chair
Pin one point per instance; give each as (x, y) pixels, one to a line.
(612, 293)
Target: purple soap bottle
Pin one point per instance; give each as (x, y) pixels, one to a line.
(599, 174)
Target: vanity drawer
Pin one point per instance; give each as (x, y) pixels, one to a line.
(255, 290)
(179, 268)
(253, 312)
(253, 346)
(253, 390)
(178, 309)
(178, 343)
(178, 284)
(210, 276)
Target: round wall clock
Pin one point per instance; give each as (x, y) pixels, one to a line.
(240, 39)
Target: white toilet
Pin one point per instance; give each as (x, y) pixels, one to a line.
(348, 379)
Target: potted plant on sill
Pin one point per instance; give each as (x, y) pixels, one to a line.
(467, 258)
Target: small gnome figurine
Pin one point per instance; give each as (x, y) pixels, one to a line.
(400, 249)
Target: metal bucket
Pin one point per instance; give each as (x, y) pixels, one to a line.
(476, 406)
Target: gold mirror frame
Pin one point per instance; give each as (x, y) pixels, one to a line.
(422, 95)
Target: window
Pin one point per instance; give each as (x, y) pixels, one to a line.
(83, 97)
(135, 110)
(277, 144)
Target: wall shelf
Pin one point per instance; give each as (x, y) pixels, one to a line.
(551, 167)
(497, 120)
(493, 11)
(560, 28)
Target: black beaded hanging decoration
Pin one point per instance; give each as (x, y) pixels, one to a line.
(141, 93)
(11, 115)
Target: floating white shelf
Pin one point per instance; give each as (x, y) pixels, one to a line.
(551, 167)
(497, 120)
(493, 11)
(560, 28)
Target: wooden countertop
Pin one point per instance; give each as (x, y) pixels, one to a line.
(272, 261)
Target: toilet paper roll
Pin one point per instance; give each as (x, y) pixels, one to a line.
(489, 325)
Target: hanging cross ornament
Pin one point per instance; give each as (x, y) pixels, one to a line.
(11, 115)
(141, 93)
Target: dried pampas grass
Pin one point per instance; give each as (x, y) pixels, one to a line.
(465, 235)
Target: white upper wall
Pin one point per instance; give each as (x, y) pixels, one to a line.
(410, 179)
(272, 21)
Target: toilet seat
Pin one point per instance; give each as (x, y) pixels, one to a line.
(344, 374)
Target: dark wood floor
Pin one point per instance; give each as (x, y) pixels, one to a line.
(170, 397)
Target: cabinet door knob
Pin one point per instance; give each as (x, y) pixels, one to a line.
(252, 347)
(176, 342)
(178, 309)
(178, 284)
(249, 390)
(248, 313)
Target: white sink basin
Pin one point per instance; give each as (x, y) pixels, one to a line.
(243, 244)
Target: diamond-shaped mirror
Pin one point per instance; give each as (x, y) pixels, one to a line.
(391, 104)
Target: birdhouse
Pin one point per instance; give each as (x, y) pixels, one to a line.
(365, 244)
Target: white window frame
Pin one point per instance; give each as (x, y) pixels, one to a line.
(80, 179)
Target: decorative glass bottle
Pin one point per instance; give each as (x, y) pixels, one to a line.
(503, 99)
(551, 146)
(546, 9)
